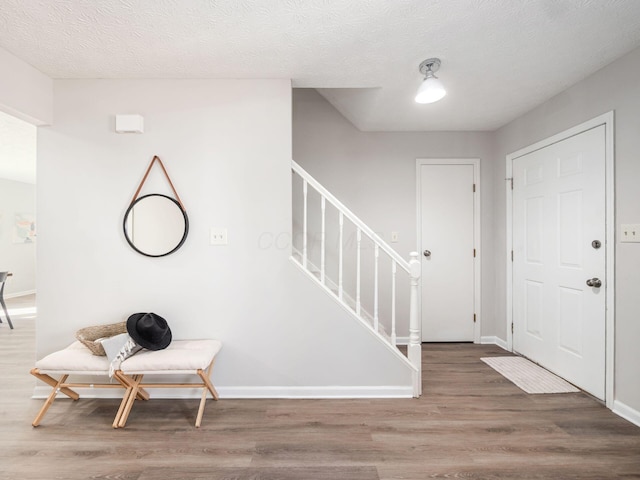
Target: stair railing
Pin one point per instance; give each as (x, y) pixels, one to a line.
(411, 268)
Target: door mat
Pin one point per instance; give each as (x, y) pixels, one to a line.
(528, 376)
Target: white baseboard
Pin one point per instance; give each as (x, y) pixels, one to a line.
(19, 294)
(490, 340)
(317, 392)
(626, 412)
(42, 391)
(493, 340)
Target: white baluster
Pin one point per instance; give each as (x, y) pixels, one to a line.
(358, 244)
(394, 269)
(340, 288)
(414, 352)
(304, 223)
(375, 287)
(323, 232)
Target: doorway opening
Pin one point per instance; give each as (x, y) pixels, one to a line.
(18, 233)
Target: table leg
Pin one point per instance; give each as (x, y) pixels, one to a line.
(4, 307)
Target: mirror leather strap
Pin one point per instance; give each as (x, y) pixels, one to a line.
(157, 158)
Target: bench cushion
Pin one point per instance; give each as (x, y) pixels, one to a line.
(181, 356)
(76, 358)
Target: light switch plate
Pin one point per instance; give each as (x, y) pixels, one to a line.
(394, 237)
(218, 236)
(630, 232)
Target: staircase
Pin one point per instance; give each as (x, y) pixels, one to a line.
(358, 266)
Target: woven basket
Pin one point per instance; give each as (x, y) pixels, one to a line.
(88, 335)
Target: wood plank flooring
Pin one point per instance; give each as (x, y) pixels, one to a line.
(470, 423)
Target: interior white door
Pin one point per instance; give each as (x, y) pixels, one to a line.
(447, 236)
(558, 218)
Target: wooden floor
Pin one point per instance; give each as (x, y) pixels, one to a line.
(470, 423)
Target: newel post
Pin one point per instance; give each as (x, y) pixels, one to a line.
(415, 339)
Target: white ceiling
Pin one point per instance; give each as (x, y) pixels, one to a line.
(500, 58)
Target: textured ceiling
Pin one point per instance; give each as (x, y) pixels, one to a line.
(500, 58)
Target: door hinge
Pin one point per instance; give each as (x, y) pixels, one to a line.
(474, 253)
(510, 179)
(474, 318)
(474, 188)
(512, 255)
(511, 327)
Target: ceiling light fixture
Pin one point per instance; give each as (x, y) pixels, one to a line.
(431, 89)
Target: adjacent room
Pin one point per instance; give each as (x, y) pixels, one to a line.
(308, 240)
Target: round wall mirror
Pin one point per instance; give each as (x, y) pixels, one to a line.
(155, 225)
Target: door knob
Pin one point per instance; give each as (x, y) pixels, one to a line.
(426, 253)
(594, 282)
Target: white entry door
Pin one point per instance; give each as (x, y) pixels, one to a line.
(559, 258)
(448, 251)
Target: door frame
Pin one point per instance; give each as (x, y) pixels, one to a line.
(475, 162)
(606, 119)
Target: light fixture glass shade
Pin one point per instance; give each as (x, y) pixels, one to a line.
(430, 90)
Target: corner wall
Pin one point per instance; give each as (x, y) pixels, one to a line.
(227, 146)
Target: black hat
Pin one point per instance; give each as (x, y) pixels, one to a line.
(149, 330)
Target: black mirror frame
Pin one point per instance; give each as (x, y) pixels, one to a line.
(186, 225)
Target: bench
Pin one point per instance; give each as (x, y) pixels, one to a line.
(181, 357)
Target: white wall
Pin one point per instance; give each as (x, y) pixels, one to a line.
(615, 87)
(25, 92)
(227, 147)
(17, 258)
(374, 174)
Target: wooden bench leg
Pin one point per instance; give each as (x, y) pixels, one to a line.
(207, 382)
(203, 401)
(134, 383)
(207, 385)
(54, 383)
(142, 394)
(49, 401)
(127, 391)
